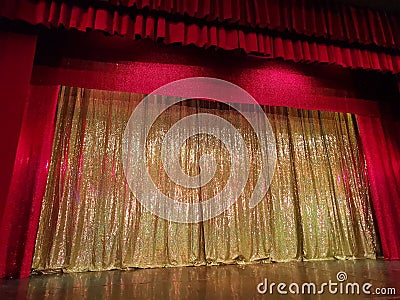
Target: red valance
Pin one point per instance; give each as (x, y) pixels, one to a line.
(160, 28)
(326, 19)
(321, 18)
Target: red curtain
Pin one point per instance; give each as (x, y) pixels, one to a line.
(16, 60)
(382, 151)
(327, 19)
(26, 135)
(300, 25)
(23, 204)
(274, 84)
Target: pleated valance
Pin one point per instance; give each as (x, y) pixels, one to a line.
(320, 18)
(327, 19)
(320, 31)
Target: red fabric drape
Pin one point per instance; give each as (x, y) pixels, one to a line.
(327, 19)
(321, 18)
(26, 142)
(382, 153)
(158, 26)
(22, 207)
(274, 84)
(16, 61)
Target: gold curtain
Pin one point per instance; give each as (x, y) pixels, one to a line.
(318, 205)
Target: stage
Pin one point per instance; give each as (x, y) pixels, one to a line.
(244, 149)
(209, 282)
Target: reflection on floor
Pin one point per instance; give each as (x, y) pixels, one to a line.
(219, 282)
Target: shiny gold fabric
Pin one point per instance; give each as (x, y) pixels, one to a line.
(318, 205)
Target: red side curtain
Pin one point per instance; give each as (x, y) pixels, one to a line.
(22, 206)
(16, 61)
(382, 151)
(25, 130)
(299, 43)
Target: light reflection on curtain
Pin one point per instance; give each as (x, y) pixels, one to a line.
(317, 207)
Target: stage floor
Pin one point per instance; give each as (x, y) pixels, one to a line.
(216, 282)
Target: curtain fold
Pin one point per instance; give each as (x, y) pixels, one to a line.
(22, 209)
(318, 205)
(326, 19)
(382, 153)
(303, 46)
(26, 123)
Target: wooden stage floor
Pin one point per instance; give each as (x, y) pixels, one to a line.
(216, 282)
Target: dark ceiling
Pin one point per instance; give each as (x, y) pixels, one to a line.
(381, 4)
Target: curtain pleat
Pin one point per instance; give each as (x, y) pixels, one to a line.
(309, 17)
(355, 26)
(317, 207)
(382, 153)
(321, 18)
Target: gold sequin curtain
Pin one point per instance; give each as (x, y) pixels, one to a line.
(318, 205)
